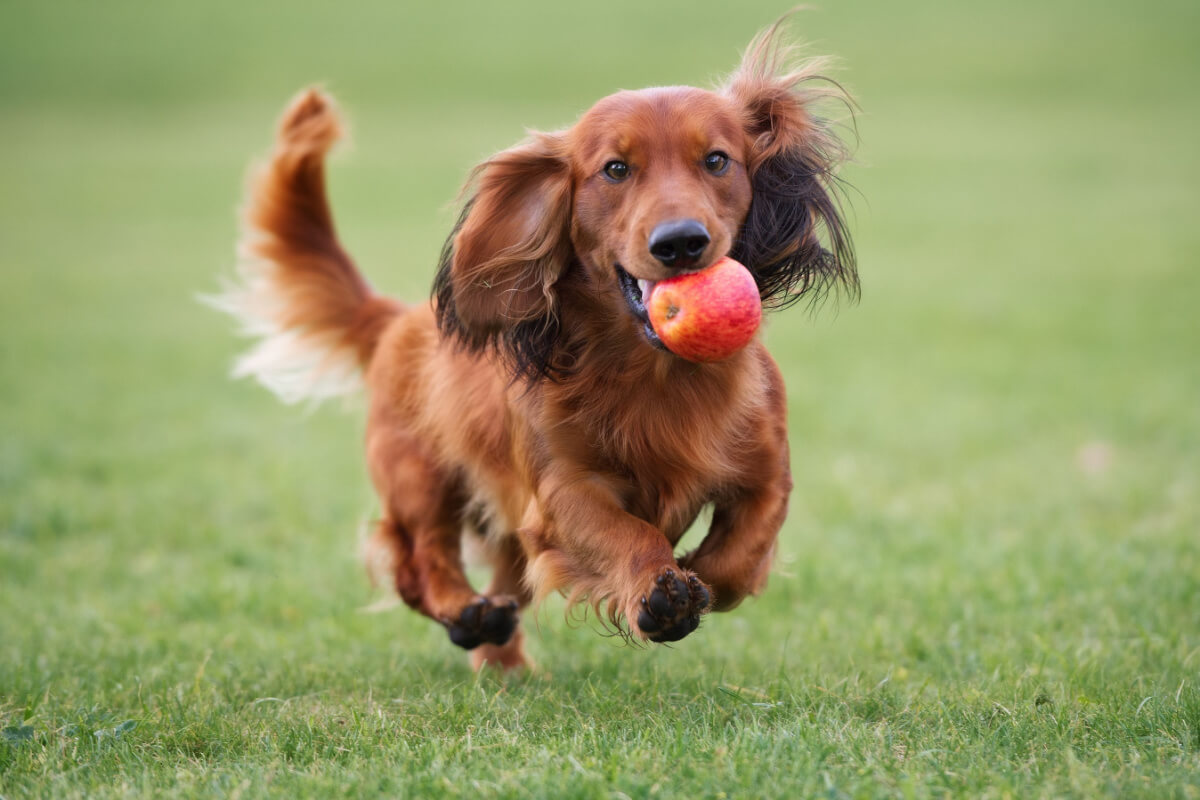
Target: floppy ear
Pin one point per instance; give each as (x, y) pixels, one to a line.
(793, 158)
(495, 284)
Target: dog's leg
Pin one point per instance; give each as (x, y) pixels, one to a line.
(508, 570)
(586, 544)
(423, 527)
(735, 557)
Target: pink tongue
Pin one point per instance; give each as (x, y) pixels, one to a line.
(646, 287)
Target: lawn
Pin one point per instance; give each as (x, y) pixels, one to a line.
(989, 582)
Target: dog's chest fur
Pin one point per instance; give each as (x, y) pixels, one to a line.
(668, 453)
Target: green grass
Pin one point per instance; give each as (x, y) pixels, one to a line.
(989, 583)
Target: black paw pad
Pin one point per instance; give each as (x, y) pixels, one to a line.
(486, 619)
(672, 609)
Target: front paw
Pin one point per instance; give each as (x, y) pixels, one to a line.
(673, 607)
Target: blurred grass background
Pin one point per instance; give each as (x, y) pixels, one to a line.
(989, 583)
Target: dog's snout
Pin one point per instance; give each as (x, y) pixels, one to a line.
(679, 243)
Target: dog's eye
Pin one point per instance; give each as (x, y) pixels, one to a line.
(716, 162)
(616, 170)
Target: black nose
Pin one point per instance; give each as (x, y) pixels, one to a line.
(679, 243)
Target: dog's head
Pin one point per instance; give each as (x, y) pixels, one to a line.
(645, 185)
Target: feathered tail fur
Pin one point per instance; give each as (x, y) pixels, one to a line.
(297, 291)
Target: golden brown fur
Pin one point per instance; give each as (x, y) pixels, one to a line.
(526, 403)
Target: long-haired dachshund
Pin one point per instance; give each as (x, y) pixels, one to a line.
(530, 403)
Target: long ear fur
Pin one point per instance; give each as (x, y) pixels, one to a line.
(793, 160)
(495, 283)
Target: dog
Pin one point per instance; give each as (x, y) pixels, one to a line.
(529, 402)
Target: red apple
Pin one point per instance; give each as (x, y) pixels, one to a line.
(707, 315)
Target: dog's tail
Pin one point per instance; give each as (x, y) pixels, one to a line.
(297, 292)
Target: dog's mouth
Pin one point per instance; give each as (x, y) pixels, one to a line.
(635, 291)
